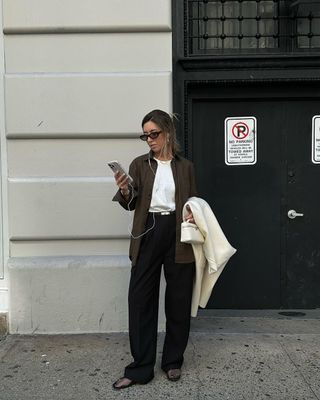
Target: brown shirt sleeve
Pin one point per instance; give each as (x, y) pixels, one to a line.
(130, 202)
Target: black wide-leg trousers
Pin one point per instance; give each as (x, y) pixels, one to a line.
(157, 249)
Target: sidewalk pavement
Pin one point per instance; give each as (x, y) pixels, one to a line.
(231, 355)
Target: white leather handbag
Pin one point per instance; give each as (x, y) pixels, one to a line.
(190, 233)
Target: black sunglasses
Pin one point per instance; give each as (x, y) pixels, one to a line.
(152, 135)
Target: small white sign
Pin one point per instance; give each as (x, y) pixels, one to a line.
(316, 139)
(240, 140)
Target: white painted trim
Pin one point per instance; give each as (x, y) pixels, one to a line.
(68, 262)
(4, 241)
(145, 28)
(130, 74)
(64, 179)
(77, 135)
(44, 238)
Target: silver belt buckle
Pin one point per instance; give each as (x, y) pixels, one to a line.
(165, 213)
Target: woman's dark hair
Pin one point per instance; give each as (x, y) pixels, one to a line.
(165, 123)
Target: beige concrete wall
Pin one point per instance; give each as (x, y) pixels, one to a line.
(86, 105)
(91, 52)
(76, 87)
(86, 15)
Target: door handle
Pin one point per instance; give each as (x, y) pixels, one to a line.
(292, 214)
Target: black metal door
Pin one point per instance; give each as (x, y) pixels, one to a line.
(278, 259)
(303, 196)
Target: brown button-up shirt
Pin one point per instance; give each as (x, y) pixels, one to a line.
(142, 170)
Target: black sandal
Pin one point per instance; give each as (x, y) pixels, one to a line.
(125, 386)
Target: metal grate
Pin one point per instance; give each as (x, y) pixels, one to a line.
(222, 26)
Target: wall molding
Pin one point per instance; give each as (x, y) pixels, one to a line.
(4, 250)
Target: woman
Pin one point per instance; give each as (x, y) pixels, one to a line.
(162, 183)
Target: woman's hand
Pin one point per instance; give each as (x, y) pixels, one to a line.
(189, 217)
(122, 183)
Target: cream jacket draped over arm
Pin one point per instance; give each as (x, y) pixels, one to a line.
(211, 256)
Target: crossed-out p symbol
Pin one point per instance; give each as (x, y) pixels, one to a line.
(240, 130)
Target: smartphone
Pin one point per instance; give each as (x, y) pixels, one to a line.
(116, 167)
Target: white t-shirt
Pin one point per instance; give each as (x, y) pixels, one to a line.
(163, 192)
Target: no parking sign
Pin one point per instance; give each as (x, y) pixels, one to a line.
(240, 140)
(316, 139)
